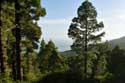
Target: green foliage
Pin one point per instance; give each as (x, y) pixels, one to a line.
(4, 78)
(106, 76)
(75, 64)
(116, 63)
(43, 45)
(50, 60)
(61, 77)
(31, 77)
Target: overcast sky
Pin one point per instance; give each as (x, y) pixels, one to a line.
(60, 13)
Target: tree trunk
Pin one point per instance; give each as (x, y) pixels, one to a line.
(85, 50)
(14, 72)
(2, 68)
(18, 38)
(28, 60)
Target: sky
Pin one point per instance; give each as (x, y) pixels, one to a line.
(55, 24)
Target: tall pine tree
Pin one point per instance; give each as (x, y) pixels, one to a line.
(23, 16)
(26, 12)
(83, 30)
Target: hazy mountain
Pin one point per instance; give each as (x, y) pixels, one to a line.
(113, 43)
(69, 53)
(120, 42)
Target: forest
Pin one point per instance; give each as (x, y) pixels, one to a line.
(24, 58)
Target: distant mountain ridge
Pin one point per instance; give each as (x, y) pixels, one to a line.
(120, 42)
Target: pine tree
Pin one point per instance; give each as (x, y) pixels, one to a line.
(83, 30)
(29, 12)
(42, 47)
(99, 63)
(50, 60)
(7, 22)
(116, 63)
(6, 18)
(26, 13)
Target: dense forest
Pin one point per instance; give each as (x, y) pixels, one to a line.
(26, 59)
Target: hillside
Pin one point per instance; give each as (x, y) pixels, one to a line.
(120, 42)
(69, 53)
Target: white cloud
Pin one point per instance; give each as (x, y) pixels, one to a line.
(55, 21)
(114, 24)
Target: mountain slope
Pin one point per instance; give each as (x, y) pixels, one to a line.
(69, 53)
(120, 42)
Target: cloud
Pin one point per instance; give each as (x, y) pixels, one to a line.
(114, 24)
(63, 21)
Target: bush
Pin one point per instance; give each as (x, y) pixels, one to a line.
(65, 77)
